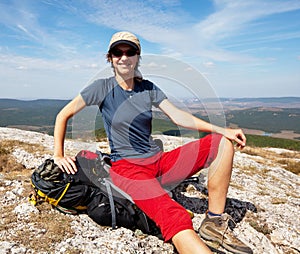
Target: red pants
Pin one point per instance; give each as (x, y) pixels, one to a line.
(144, 179)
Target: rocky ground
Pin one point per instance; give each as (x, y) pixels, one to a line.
(263, 199)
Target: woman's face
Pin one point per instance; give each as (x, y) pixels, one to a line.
(124, 60)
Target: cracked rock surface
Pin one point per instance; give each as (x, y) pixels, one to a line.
(263, 200)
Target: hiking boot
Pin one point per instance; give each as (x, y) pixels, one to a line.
(217, 229)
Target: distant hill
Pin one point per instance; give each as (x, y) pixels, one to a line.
(273, 100)
(278, 102)
(270, 115)
(271, 120)
(35, 115)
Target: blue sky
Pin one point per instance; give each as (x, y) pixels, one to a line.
(51, 49)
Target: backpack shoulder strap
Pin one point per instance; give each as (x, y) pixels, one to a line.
(111, 203)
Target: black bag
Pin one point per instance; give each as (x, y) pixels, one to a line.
(91, 191)
(110, 206)
(60, 190)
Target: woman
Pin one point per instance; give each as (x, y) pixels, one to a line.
(139, 167)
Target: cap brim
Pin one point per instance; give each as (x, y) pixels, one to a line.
(132, 44)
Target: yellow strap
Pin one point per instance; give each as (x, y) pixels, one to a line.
(51, 201)
(64, 192)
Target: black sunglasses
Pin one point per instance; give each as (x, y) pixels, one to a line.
(119, 52)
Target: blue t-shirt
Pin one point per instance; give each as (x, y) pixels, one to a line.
(127, 115)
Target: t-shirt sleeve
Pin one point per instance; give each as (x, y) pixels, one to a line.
(94, 93)
(157, 95)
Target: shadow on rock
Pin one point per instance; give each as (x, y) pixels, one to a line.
(235, 208)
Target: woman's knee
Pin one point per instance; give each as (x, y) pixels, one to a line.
(221, 148)
(227, 146)
(224, 156)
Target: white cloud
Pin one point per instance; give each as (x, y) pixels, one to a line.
(161, 22)
(208, 42)
(209, 64)
(21, 67)
(29, 77)
(205, 38)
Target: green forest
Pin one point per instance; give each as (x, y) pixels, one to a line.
(39, 115)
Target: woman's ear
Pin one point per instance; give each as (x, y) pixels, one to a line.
(108, 58)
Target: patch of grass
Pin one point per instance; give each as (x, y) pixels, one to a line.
(100, 135)
(253, 151)
(249, 170)
(260, 227)
(288, 160)
(237, 186)
(278, 201)
(290, 165)
(7, 161)
(3, 150)
(291, 155)
(53, 232)
(259, 224)
(41, 232)
(262, 141)
(9, 145)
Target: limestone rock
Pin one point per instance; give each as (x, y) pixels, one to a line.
(263, 199)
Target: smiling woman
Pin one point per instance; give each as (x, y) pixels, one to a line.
(124, 60)
(139, 166)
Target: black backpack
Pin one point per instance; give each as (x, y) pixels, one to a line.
(89, 191)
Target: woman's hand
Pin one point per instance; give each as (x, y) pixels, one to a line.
(66, 164)
(237, 136)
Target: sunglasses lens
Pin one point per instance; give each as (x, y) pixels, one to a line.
(130, 52)
(119, 53)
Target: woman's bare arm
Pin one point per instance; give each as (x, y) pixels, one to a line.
(187, 120)
(66, 163)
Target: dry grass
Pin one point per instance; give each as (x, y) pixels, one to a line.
(263, 152)
(277, 201)
(41, 231)
(9, 145)
(292, 155)
(260, 227)
(288, 160)
(259, 224)
(290, 165)
(7, 161)
(237, 186)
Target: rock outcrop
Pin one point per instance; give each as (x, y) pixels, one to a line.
(263, 199)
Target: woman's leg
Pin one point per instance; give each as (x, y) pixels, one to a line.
(140, 183)
(215, 225)
(188, 242)
(174, 221)
(213, 151)
(187, 160)
(219, 177)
